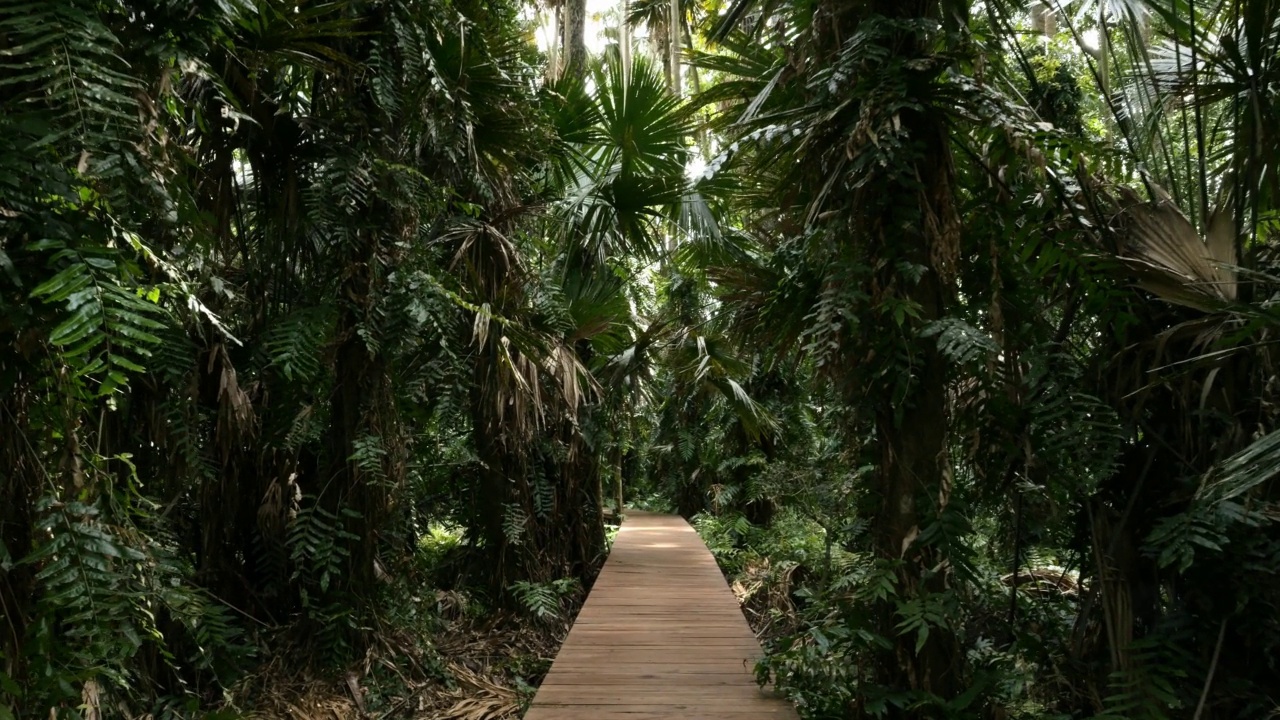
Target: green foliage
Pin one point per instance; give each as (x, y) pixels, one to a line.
(113, 590)
(306, 309)
(62, 64)
(437, 543)
(317, 547)
(1148, 687)
(84, 573)
(1089, 451)
(229, 260)
(1056, 94)
(724, 534)
(547, 601)
(110, 322)
(294, 346)
(514, 524)
(960, 342)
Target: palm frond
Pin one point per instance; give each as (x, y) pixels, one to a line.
(1170, 258)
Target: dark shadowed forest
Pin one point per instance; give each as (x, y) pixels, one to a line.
(335, 335)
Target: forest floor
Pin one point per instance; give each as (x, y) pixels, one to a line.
(483, 667)
(764, 593)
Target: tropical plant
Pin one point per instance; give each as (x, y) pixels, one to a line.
(948, 324)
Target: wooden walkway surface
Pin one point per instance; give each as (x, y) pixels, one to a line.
(660, 637)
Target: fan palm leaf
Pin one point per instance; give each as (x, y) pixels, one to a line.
(626, 161)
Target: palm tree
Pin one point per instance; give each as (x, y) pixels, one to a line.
(234, 259)
(845, 149)
(1195, 108)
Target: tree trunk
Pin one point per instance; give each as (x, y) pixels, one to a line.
(909, 219)
(18, 487)
(660, 44)
(624, 40)
(574, 29)
(675, 24)
(363, 438)
(617, 479)
(553, 49)
(913, 473)
(495, 489)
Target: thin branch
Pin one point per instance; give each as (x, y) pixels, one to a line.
(1213, 668)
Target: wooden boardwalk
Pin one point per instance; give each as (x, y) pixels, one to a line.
(660, 637)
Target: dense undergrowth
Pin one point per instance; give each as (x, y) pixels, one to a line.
(804, 596)
(446, 654)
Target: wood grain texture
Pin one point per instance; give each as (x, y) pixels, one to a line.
(660, 637)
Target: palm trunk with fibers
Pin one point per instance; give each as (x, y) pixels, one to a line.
(553, 44)
(577, 535)
(234, 558)
(660, 41)
(624, 40)
(905, 217)
(494, 486)
(574, 30)
(538, 516)
(675, 26)
(537, 512)
(364, 443)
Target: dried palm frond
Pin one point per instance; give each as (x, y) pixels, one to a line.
(1169, 257)
(764, 592)
(480, 698)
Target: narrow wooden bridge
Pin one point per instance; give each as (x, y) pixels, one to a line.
(660, 637)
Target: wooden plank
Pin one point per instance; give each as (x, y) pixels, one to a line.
(611, 712)
(689, 711)
(658, 655)
(647, 665)
(699, 636)
(684, 676)
(660, 637)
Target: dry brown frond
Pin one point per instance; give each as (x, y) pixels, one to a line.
(485, 660)
(764, 592)
(480, 698)
(1172, 261)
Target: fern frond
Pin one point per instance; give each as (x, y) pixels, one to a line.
(88, 610)
(294, 346)
(319, 546)
(110, 323)
(960, 342)
(514, 524)
(62, 61)
(545, 601)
